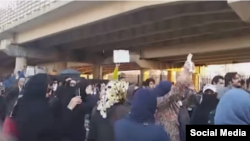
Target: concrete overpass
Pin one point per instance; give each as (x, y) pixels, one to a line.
(159, 33)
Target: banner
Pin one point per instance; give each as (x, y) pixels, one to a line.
(121, 56)
(217, 131)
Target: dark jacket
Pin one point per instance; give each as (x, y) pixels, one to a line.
(10, 99)
(75, 127)
(184, 119)
(2, 109)
(103, 129)
(202, 111)
(140, 125)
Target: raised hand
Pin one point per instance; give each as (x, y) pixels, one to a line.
(74, 101)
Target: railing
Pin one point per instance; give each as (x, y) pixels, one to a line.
(15, 10)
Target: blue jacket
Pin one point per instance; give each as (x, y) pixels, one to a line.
(140, 125)
(128, 130)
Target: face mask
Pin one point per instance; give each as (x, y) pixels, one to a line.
(55, 87)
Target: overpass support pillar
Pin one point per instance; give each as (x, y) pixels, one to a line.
(20, 64)
(97, 72)
(171, 75)
(142, 75)
(242, 8)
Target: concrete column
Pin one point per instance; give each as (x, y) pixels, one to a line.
(20, 64)
(142, 76)
(60, 66)
(170, 75)
(195, 79)
(97, 72)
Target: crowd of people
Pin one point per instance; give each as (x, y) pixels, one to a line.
(42, 110)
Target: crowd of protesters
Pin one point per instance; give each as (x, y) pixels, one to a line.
(40, 109)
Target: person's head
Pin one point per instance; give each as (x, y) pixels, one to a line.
(144, 106)
(163, 88)
(72, 83)
(21, 82)
(150, 82)
(122, 77)
(115, 92)
(232, 79)
(209, 89)
(36, 87)
(54, 85)
(66, 81)
(218, 80)
(242, 82)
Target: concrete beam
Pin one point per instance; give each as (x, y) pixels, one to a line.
(242, 8)
(76, 64)
(205, 47)
(146, 64)
(82, 17)
(18, 51)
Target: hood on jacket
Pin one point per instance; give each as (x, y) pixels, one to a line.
(36, 87)
(233, 108)
(143, 106)
(163, 88)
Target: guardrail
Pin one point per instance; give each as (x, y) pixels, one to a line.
(15, 10)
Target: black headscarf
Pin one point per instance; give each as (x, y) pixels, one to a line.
(33, 117)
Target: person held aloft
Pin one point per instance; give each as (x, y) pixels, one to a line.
(140, 125)
(172, 113)
(205, 111)
(109, 109)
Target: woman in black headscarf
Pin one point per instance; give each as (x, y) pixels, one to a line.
(75, 128)
(34, 118)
